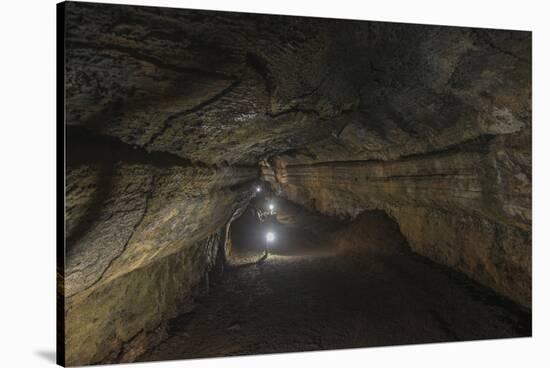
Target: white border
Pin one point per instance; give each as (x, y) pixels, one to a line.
(27, 181)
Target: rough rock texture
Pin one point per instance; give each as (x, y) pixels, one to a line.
(126, 210)
(440, 140)
(142, 231)
(110, 322)
(169, 111)
(209, 87)
(468, 207)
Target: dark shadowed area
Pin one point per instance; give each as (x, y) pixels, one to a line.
(356, 285)
(397, 158)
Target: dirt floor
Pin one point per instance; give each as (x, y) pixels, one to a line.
(300, 303)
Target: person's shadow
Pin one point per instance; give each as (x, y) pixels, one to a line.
(48, 355)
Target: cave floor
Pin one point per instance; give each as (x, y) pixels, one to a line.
(287, 304)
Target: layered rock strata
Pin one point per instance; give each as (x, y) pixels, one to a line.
(468, 207)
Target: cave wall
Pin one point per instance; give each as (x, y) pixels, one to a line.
(369, 234)
(467, 207)
(446, 207)
(168, 112)
(142, 231)
(121, 318)
(441, 141)
(210, 87)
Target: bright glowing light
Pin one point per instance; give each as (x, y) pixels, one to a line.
(270, 237)
(271, 206)
(258, 189)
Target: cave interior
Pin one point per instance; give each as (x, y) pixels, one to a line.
(396, 158)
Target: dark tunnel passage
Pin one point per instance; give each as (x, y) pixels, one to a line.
(329, 283)
(296, 231)
(397, 159)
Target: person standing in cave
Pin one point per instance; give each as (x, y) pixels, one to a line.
(262, 206)
(256, 206)
(266, 249)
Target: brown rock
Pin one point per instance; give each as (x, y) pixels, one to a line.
(169, 112)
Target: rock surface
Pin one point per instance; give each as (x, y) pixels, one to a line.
(169, 111)
(346, 302)
(468, 207)
(142, 231)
